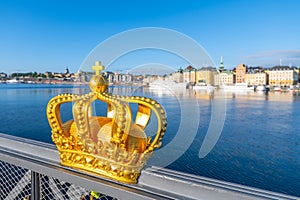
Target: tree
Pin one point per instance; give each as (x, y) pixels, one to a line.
(34, 74)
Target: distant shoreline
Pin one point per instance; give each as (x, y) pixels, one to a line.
(67, 83)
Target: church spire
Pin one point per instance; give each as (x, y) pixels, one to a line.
(221, 64)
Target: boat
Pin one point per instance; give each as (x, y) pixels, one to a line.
(167, 85)
(292, 89)
(203, 86)
(30, 82)
(14, 81)
(277, 89)
(260, 88)
(237, 87)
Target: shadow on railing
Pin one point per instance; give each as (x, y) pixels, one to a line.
(31, 170)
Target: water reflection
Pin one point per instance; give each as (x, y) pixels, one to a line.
(200, 94)
(261, 96)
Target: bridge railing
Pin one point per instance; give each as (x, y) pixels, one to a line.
(31, 170)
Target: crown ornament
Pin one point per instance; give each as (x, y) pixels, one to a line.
(116, 145)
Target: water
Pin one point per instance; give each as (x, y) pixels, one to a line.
(259, 145)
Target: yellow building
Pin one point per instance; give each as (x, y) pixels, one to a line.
(283, 76)
(223, 76)
(178, 77)
(193, 76)
(189, 75)
(250, 78)
(261, 78)
(226, 78)
(206, 75)
(256, 76)
(186, 76)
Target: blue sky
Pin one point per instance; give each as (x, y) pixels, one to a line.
(50, 35)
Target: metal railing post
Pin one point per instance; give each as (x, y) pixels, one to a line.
(35, 186)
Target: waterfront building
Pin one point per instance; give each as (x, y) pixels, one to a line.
(256, 76)
(48, 74)
(206, 75)
(82, 76)
(138, 78)
(283, 76)
(240, 74)
(116, 78)
(109, 76)
(217, 79)
(178, 76)
(298, 72)
(193, 76)
(186, 76)
(189, 75)
(261, 78)
(58, 75)
(74, 76)
(127, 78)
(223, 76)
(3, 75)
(169, 77)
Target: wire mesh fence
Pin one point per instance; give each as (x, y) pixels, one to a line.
(15, 184)
(55, 189)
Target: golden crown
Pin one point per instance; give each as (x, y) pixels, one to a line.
(113, 146)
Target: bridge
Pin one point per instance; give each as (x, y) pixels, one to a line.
(31, 170)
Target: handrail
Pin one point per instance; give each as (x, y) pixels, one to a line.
(154, 182)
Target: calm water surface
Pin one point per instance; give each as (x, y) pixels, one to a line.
(259, 145)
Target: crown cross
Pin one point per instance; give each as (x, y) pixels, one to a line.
(98, 67)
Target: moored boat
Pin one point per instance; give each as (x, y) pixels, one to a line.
(14, 81)
(169, 85)
(206, 87)
(261, 88)
(277, 89)
(237, 87)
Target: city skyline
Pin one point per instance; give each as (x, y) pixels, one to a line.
(50, 35)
